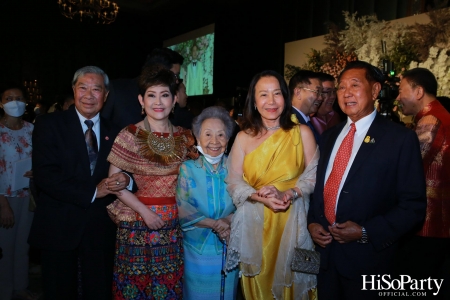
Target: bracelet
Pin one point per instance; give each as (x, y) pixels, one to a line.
(294, 194)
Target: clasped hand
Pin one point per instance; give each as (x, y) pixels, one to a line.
(271, 197)
(112, 185)
(343, 233)
(222, 227)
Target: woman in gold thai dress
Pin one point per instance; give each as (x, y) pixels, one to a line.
(272, 168)
(149, 251)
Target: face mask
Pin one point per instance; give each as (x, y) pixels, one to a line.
(14, 108)
(209, 158)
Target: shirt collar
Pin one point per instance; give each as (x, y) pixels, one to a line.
(95, 119)
(307, 119)
(363, 124)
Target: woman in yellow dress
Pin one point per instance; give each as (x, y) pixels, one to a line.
(271, 173)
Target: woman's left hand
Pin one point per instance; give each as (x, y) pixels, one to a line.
(225, 236)
(28, 174)
(221, 225)
(270, 191)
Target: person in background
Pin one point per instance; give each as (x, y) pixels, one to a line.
(424, 254)
(271, 172)
(370, 190)
(15, 217)
(205, 209)
(181, 115)
(68, 102)
(123, 108)
(39, 110)
(326, 117)
(305, 89)
(71, 226)
(149, 253)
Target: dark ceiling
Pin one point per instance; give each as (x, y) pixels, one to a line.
(150, 7)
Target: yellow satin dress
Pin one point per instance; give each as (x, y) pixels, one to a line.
(278, 161)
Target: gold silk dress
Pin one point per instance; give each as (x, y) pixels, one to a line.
(278, 161)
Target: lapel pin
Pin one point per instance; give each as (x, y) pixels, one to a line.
(107, 138)
(367, 139)
(372, 141)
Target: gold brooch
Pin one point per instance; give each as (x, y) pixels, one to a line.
(369, 140)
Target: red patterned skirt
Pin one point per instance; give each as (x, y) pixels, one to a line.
(149, 263)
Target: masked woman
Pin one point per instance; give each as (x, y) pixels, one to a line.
(270, 176)
(15, 217)
(206, 209)
(149, 250)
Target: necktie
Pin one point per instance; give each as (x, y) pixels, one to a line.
(334, 180)
(91, 143)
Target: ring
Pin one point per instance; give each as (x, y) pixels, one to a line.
(117, 183)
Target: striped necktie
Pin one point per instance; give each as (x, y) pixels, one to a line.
(91, 143)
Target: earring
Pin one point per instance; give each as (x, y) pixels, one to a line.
(143, 111)
(173, 109)
(255, 106)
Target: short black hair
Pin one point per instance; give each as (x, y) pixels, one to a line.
(422, 77)
(301, 77)
(164, 56)
(325, 77)
(12, 86)
(154, 75)
(373, 74)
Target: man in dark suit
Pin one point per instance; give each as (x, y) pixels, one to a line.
(123, 108)
(71, 225)
(370, 191)
(306, 95)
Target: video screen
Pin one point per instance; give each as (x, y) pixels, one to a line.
(198, 53)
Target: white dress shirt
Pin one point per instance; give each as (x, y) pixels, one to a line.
(362, 126)
(307, 119)
(96, 129)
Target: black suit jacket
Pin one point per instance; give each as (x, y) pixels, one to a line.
(65, 212)
(303, 121)
(122, 107)
(384, 192)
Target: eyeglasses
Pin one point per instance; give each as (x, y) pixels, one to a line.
(318, 92)
(14, 98)
(328, 92)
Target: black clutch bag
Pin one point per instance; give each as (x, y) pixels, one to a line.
(306, 261)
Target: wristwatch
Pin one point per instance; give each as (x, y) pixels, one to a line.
(294, 194)
(364, 238)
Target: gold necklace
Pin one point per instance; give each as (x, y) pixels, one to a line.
(160, 145)
(159, 149)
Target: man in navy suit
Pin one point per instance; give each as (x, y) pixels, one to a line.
(306, 94)
(380, 195)
(71, 225)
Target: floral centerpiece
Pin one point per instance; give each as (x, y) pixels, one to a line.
(369, 39)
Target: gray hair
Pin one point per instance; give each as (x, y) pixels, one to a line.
(93, 70)
(213, 112)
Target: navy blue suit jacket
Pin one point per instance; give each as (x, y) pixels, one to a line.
(303, 121)
(384, 192)
(65, 213)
